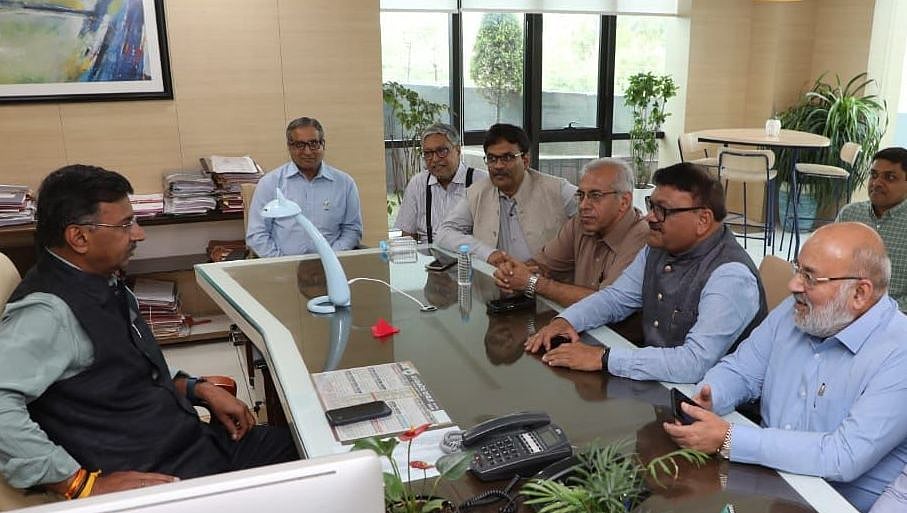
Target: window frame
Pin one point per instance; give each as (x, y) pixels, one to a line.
(532, 90)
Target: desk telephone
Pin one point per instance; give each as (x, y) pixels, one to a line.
(519, 443)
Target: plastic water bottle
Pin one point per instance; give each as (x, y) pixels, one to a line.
(400, 249)
(464, 265)
(464, 300)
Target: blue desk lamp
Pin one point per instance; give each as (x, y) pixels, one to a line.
(338, 288)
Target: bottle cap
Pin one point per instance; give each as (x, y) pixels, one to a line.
(464, 248)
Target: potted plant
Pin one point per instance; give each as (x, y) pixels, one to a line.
(841, 113)
(407, 116)
(607, 480)
(402, 496)
(646, 95)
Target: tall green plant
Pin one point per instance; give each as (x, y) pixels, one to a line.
(842, 114)
(646, 94)
(409, 115)
(497, 61)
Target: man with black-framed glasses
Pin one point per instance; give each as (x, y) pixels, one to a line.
(828, 366)
(697, 288)
(327, 196)
(513, 213)
(591, 249)
(431, 194)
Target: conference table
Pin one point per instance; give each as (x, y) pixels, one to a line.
(475, 367)
(793, 140)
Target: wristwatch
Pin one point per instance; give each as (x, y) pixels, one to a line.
(605, 355)
(725, 450)
(191, 382)
(530, 285)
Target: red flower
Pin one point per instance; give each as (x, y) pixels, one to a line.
(411, 433)
(421, 465)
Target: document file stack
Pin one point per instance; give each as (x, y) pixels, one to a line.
(159, 306)
(188, 193)
(229, 174)
(16, 205)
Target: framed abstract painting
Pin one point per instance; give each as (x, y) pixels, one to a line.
(83, 50)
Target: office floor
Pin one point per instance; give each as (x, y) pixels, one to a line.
(222, 358)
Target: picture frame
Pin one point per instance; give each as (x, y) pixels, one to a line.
(64, 51)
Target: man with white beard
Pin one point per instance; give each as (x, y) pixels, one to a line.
(829, 365)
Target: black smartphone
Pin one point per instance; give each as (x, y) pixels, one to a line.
(678, 397)
(510, 304)
(554, 342)
(438, 265)
(357, 413)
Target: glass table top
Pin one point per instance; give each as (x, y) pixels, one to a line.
(472, 362)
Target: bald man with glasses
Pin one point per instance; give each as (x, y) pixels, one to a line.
(593, 248)
(698, 290)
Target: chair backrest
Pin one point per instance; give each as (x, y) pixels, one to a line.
(775, 272)
(9, 278)
(737, 164)
(690, 147)
(247, 191)
(849, 152)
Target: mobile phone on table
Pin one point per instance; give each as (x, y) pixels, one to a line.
(678, 397)
(556, 341)
(510, 304)
(357, 413)
(440, 265)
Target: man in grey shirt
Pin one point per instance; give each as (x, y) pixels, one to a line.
(516, 211)
(431, 194)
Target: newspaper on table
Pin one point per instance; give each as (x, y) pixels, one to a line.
(399, 384)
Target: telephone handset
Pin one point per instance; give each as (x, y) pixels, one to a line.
(519, 443)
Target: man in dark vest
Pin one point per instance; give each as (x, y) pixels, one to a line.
(692, 265)
(87, 402)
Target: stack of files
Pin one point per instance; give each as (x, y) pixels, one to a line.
(159, 306)
(229, 174)
(147, 205)
(188, 193)
(16, 205)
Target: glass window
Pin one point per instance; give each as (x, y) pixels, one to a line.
(415, 52)
(570, 53)
(641, 46)
(566, 159)
(493, 59)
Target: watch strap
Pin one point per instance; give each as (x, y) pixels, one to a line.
(530, 285)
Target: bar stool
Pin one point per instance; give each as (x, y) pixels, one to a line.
(690, 148)
(752, 166)
(840, 178)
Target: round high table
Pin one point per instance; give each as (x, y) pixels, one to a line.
(792, 139)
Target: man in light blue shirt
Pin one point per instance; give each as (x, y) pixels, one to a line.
(328, 197)
(829, 365)
(697, 288)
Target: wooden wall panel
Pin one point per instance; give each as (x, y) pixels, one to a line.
(31, 143)
(138, 139)
(340, 39)
(842, 34)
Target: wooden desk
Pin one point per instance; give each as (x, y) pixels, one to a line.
(475, 367)
(791, 139)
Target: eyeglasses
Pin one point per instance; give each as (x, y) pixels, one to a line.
(428, 155)
(301, 145)
(661, 213)
(506, 158)
(593, 196)
(888, 176)
(811, 281)
(125, 226)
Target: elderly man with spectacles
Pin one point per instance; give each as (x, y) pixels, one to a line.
(591, 249)
(328, 198)
(698, 290)
(828, 364)
(516, 211)
(431, 194)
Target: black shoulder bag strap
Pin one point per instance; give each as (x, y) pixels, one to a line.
(428, 230)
